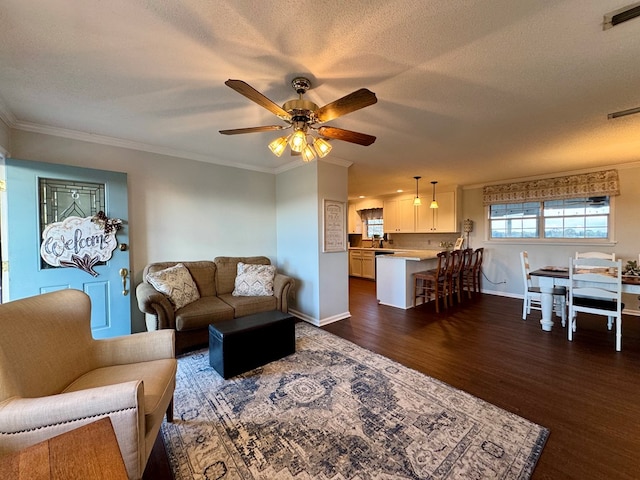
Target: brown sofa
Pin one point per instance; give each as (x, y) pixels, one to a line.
(215, 281)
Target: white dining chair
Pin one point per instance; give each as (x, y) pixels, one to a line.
(532, 298)
(595, 286)
(606, 256)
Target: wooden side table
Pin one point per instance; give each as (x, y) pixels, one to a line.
(89, 452)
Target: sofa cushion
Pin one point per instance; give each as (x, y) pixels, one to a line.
(203, 273)
(254, 280)
(176, 283)
(158, 378)
(249, 305)
(201, 313)
(227, 268)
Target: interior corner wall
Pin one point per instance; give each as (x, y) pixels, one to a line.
(179, 209)
(297, 237)
(334, 266)
(322, 278)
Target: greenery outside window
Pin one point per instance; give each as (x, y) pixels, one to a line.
(570, 218)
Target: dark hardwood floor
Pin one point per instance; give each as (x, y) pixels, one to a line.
(584, 392)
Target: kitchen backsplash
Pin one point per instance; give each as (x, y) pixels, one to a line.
(407, 241)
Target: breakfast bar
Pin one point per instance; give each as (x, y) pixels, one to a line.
(394, 281)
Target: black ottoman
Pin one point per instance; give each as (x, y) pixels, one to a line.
(241, 344)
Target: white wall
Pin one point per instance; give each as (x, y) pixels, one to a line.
(179, 209)
(322, 279)
(334, 266)
(502, 262)
(297, 242)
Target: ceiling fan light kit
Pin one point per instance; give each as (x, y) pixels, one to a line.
(279, 145)
(302, 116)
(322, 147)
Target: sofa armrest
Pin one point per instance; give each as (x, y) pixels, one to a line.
(282, 284)
(154, 303)
(139, 347)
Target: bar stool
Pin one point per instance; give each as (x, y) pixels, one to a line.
(466, 275)
(454, 271)
(432, 282)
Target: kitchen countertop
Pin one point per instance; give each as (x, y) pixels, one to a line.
(414, 255)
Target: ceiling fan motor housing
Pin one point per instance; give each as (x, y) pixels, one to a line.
(301, 110)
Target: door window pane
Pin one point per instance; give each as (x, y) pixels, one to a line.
(60, 199)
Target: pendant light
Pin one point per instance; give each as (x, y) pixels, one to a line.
(416, 201)
(434, 204)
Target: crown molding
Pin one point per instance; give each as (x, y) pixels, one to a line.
(131, 145)
(7, 115)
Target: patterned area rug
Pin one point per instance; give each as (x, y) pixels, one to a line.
(336, 411)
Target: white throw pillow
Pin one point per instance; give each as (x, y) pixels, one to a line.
(176, 283)
(254, 280)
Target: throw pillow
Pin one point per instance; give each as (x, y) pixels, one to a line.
(176, 283)
(254, 280)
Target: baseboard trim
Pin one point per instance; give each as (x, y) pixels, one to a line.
(320, 322)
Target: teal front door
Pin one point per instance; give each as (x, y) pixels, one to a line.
(67, 228)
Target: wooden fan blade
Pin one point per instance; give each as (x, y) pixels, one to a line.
(252, 94)
(267, 128)
(347, 104)
(347, 135)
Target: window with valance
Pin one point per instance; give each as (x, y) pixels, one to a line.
(575, 206)
(373, 223)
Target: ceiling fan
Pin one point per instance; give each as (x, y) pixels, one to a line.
(304, 116)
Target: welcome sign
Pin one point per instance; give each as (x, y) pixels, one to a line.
(77, 242)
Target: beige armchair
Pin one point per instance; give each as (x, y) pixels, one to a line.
(55, 377)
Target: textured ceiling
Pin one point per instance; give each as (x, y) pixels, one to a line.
(468, 91)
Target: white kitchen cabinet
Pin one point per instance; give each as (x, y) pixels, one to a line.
(355, 263)
(369, 265)
(399, 215)
(354, 221)
(441, 219)
(362, 264)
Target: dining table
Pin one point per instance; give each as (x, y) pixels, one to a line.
(557, 276)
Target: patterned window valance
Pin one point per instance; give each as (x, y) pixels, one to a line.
(572, 186)
(370, 214)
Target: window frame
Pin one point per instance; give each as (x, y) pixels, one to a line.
(540, 239)
(365, 229)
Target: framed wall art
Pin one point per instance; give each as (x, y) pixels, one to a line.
(334, 226)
